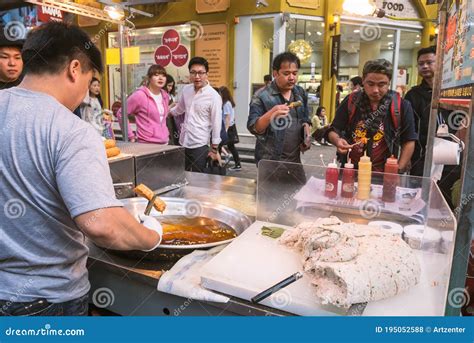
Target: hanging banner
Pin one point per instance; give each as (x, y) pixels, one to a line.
(312, 4)
(335, 53)
(458, 50)
(213, 47)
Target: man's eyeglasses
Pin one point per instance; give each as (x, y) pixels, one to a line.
(200, 73)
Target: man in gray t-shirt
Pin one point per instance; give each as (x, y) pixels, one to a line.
(55, 181)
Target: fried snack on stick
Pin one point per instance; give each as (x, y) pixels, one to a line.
(148, 194)
(295, 104)
(112, 152)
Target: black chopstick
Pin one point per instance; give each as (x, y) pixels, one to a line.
(266, 293)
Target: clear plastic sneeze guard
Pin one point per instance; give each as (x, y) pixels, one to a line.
(289, 194)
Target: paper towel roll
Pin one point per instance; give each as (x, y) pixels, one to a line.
(422, 237)
(391, 227)
(445, 152)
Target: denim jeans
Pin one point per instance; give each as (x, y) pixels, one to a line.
(40, 307)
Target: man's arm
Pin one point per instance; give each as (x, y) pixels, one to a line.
(180, 106)
(337, 127)
(406, 153)
(115, 228)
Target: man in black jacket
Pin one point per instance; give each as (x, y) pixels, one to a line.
(11, 63)
(420, 99)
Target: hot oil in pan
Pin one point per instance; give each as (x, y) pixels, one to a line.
(180, 230)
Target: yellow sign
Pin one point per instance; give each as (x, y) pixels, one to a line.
(313, 4)
(130, 55)
(213, 47)
(211, 6)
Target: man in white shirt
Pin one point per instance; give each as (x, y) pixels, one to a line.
(202, 108)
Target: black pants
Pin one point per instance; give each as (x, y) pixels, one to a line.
(76, 307)
(195, 159)
(234, 152)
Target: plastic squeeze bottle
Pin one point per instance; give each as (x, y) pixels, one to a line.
(348, 179)
(364, 178)
(391, 180)
(332, 178)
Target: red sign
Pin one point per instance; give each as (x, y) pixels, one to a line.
(171, 39)
(46, 14)
(180, 56)
(163, 56)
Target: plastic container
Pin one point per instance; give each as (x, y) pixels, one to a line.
(364, 177)
(332, 179)
(391, 180)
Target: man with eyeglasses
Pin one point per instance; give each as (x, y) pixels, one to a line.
(420, 99)
(202, 109)
(375, 120)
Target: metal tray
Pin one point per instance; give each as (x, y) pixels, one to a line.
(184, 207)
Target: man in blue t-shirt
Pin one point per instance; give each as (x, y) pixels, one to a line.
(55, 184)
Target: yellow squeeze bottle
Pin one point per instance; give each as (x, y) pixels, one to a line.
(364, 177)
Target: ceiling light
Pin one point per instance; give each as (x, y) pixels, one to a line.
(390, 36)
(318, 33)
(261, 3)
(417, 42)
(359, 7)
(356, 31)
(114, 12)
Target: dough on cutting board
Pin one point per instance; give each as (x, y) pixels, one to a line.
(352, 263)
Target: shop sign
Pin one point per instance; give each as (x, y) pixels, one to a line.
(335, 53)
(211, 6)
(398, 8)
(46, 14)
(458, 49)
(313, 4)
(171, 51)
(213, 47)
(402, 77)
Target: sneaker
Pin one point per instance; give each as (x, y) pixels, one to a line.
(236, 167)
(316, 143)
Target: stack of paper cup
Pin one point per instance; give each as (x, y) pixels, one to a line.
(447, 238)
(391, 227)
(422, 237)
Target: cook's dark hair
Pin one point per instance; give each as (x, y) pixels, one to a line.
(170, 79)
(198, 60)
(226, 96)
(49, 48)
(428, 50)
(379, 66)
(285, 57)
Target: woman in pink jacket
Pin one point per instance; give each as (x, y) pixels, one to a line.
(149, 105)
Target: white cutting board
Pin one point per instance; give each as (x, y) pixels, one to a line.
(253, 263)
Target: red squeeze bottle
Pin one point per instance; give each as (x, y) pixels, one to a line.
(348, 180)
(391, 180)
(332, 178)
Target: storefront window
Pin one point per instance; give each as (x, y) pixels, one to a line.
(148, 40)
(361, 43)
(305, 39)
(261, 51)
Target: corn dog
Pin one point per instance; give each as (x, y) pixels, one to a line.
(148, 194)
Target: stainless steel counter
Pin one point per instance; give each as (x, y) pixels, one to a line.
(131, 285)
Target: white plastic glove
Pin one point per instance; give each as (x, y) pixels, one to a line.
(152, 224)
